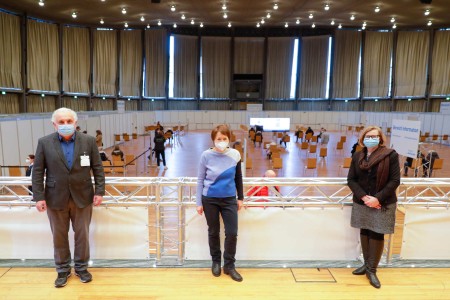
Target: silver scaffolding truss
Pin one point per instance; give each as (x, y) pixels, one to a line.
(167, 199)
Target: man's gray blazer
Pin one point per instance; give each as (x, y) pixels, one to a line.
(61, 183)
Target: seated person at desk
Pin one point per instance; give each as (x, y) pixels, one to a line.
(428, 163)
(251, 130)
(117, 152)
(309, 130)
(264, 190)
(103, 155)
(284, 139)
(297, 134)
(409, 162)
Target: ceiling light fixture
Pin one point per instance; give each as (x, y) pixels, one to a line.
(201, 24)
(377, 9)
(172, 8)
(268, 16)
(102, 0)
(286, 25)
(311, 16)
(224, 7)
(101, 21)
(327, 7)
(340, 26)
(192, 22)
(352, 17)
(275, 6)
(74, 15)
(41, 3)
(142, 18)
(429, 23)
(124, 11)
(263, 21)
(394, 26)
(258, 25)
(427, 12)
(297, 22)
(159, 23)
(126, 25)
(229, 24)
(225, 15)
(174, 25)
(332, 22)
(392, 20)
(313, 25)
(148, 26)
(183, 17)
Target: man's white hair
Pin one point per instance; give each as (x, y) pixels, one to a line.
(64, 110)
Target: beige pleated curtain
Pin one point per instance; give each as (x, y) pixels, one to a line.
(130, 62)
(76, 60)
(346, 64)
(216, 67)
(185, 66)
(43, 56)
(156, 54)
(411, 63)
(377, 62)
(280, 52)
(38, 104)
(78, 104)
(105, 62)
(248, 55)
(10, 51)
(314, 67)
(440, 77)
(9, 103)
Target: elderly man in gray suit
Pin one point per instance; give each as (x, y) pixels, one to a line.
(66, 158)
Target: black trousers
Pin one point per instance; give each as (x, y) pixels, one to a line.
(159, 153)
(227, 207)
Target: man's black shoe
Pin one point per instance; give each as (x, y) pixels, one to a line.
(62, 279)
(233, 274)
(215, 269)
(85, 276)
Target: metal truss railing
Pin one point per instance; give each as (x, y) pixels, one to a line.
(170, 196)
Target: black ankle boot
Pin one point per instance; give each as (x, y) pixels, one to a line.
(233, 274)
(375, 252)
(215, 269)
(365, 250)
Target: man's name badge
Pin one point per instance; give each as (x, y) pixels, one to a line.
(85, 162)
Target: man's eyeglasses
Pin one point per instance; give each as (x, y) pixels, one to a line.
(372, 137)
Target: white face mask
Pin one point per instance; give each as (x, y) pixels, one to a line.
(221, 145)
(27, 160)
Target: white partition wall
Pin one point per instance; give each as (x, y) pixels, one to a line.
(281, 234)
(115, 233)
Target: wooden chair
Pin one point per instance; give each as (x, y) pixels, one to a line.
(15, 171)
(346, 164)
(350, 128)
(388, 131)
(434, 137)
(304, 146)
(340, 146)
(107, 167)
(314, 139)
(286, 139)
(276, 154)
(422, 138)
(438, 165)
(117, 137)
(301, 135)
(323, 153)
(277, 163)
(182, 130)
(249, 164)
(252, 135)
(134, 136)
(126, 137)
(119, 167)
(416, 166)
(445, 138)
(308, 137)
(258, 139)
(116, 158)
(128, 158)
(279, 135)
(312, 149)
(343, 139)
(311, 164)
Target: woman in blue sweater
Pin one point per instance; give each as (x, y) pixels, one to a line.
(219, 177)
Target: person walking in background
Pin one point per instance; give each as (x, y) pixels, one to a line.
(30, 161)
(373, 177)
(160, 148)
(99, 138)
(65, 160)
(219, 178)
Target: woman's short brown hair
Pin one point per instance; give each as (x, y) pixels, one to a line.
(223, 129)
(383, 140)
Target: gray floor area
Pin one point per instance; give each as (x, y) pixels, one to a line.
(151, 263)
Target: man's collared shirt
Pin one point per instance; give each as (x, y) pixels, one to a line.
(67, 148)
